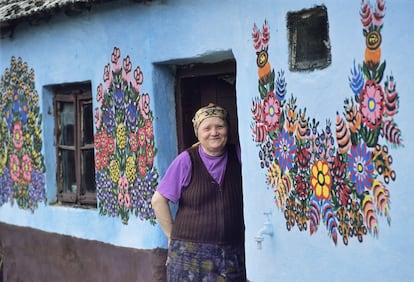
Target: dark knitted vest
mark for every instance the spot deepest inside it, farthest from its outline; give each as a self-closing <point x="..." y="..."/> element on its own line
<point x="209" y="212"/>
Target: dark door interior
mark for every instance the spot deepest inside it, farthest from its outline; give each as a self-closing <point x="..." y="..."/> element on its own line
<point x="197" y="86"/>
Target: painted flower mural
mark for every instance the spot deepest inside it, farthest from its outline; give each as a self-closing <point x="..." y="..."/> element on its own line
<point x="335" y="177"/>
<point x="124" y="143"/>
<point x="22" y="169"/>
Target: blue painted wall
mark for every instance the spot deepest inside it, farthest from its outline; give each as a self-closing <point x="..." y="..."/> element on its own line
<point x="153" y="35"/>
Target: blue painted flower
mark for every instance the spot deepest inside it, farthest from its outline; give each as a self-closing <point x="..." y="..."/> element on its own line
<point x="109" y="119"/>
<point x="24" y="112"/>
<point x="16" y="102"/>
<point x="9" y="118"/>
<point x="285" y="149"/>
<point x="36" y="189"/>
<point x="132" y="114"/>
<point x="360" y="167"/>
<point x="119" y="98"/>
<point x="6" y="187"/>
<point x="356" y="81"/>
<point x="281" y="85"/>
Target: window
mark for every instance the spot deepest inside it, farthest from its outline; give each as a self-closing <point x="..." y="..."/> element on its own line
<point x="74" y="144"/>
<point x="309" y="44"/>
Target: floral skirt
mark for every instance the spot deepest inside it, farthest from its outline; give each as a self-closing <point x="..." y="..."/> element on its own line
<point x="188" y="261"/>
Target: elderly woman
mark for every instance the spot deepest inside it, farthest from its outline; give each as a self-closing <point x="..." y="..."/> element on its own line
<point x="206" y="239"/>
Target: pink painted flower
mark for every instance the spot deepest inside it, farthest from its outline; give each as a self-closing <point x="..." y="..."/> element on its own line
<point x="265" y="34"/>
<point x="98" y="119"/>
<point x="372" y="104"/>
<point x="366" y="15"/>
<point x="100" y="93"/>
<point x="123" y="184"/>
<point x="26" y="168"/>
<point x="115" y="59"/>
<point x="272" y="112"/>
<point x="127" y="199"/>
<point x="107" y="76"/>
<point x="138" y="80"/>
<point x="17" y="135"/>
<point x="144" y="107"/>
<point x="379" y="13"/>
<point x="257" y="38"/>
<point x="120" y="199"/>
<point x="14" y="168"/>
<point x="126" y="70"/>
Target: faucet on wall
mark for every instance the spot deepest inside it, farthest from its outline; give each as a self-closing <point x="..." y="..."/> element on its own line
<point x="266" y="229"/>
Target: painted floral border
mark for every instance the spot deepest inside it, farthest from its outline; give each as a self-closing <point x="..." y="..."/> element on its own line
<point x="338" y="176"/>
<point x="22" y="169"/>
<point x="124" y="143"/>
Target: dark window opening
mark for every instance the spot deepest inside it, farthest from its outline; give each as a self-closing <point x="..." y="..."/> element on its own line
<point x="197" y="86"/>
<point x="75" y="144"/>
<point x="309" y="44"/>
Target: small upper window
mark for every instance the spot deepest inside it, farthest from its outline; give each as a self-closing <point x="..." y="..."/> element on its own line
<point x="74" y="144"/>
<point x="309" y="44"/>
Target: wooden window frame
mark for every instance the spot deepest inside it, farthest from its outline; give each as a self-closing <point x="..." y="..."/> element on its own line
<point x="80" y="95"/>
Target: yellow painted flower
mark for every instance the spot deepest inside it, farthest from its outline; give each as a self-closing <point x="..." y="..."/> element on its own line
<point x="130" y="169"/>
<point x="121" y="136"/>
<point x="321" y="180"/>
<point x="114" y="170"/>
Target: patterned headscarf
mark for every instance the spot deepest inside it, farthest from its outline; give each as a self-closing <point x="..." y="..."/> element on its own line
<point x="211" y="110"/>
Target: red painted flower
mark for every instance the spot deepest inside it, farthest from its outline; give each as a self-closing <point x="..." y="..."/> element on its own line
<point x="133" y="142"/>
<point x="302" y="187"/>
<point x="98" y="160"/>
<point x="149" y="129"/>
<point x="142" y="165"/>
<point x="110" y="145"/>
<point x="141" y="137"/>
<point x="303" y="159"/>
<point x="150" y="154"/>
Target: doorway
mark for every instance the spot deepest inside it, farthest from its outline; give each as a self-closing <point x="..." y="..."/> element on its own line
<point x="197" y="85"/>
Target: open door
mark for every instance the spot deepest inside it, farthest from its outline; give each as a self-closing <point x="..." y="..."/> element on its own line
<point x="198" y="85"/>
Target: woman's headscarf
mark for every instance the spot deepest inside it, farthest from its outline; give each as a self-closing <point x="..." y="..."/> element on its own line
<point x="211" y="110"/>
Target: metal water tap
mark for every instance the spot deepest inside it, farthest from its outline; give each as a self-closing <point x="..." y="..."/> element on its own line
<point x="266" y="229"/>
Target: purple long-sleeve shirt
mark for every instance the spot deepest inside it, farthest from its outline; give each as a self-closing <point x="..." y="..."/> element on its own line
<point x="178" y="174"/>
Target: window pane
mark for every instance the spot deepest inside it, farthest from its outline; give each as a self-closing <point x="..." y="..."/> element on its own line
<point x="67" y="171"/>
<point x="88" y="171"/>
<point x="66" y="123"/>
<point x="87" y="124"/>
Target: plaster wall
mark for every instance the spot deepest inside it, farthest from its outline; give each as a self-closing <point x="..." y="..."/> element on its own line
<point x="153" y="35"/>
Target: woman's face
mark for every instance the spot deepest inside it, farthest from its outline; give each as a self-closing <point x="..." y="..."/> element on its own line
<point x="212" y="134"/>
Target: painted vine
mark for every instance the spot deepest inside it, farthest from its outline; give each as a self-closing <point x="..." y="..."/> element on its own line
<point x="124" y="143"/>
<point x="22" y="169"/>
<point x="335" y="177"/>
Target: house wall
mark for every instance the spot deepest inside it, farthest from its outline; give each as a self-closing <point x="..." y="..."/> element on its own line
<point x="157" y="35"/>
